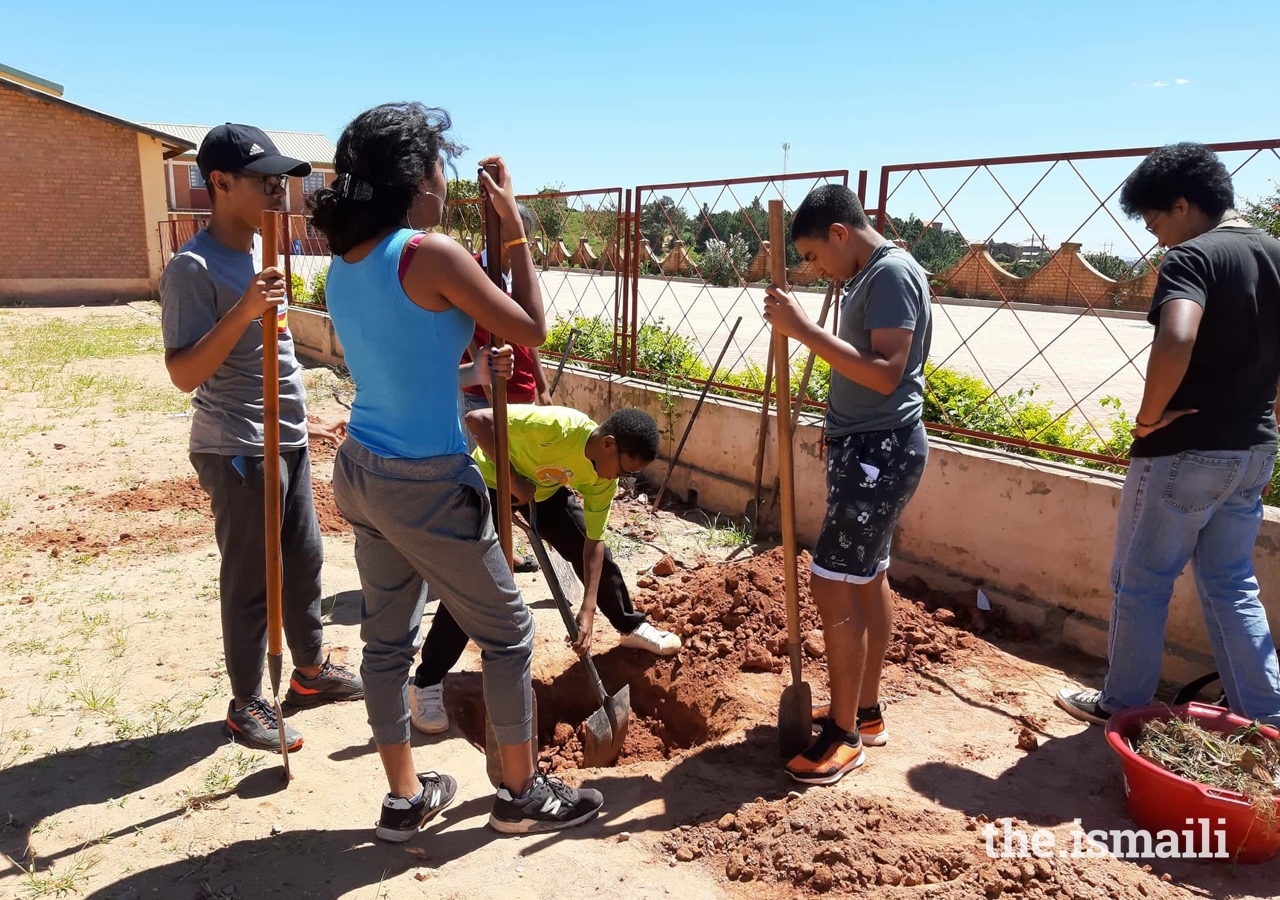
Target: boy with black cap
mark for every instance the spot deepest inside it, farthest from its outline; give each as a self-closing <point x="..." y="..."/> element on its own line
<point x="213" y="297"/>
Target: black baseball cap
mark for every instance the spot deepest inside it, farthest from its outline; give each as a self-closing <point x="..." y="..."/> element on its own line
<point x="236" y="148"/>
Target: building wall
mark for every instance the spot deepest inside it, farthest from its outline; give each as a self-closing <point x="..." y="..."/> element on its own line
<point x="73" y="209"/>
<point x="155" y="201"/>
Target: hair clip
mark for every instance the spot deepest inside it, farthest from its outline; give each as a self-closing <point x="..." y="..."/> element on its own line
<point x="349" y="188"/>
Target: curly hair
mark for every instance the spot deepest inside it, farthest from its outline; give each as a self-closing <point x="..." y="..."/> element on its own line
<point x="636" y="433"/>
<point x="1187" y="170"/>
<point x="391" y="149"/>
<point x="824" y="207"/>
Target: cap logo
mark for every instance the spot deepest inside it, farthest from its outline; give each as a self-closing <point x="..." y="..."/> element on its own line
<point x="256" y="149"/>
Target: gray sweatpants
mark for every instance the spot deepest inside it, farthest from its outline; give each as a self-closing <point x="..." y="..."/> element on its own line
<point x="423" y="525"/>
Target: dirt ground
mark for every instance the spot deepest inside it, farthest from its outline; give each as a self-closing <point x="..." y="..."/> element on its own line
<point x="115" y="781"/>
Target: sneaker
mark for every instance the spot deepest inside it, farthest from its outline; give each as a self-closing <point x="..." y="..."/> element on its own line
<point x="1083" y="705"/>
<point x="871" y="727"/>
<point x="548" y="805"/>
<point x="832" y="754"/>
<point x="402" y="817"/>
<point x="255" y="725"/>
<point x="426" y="709"/>
<point x="332" y="683"/>
<point x="655" y="640"/>
<point x="527" y="564"/>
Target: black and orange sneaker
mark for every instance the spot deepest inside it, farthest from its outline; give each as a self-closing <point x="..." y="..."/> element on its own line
<point x="871" y="727"/>
<point x="833" y="753"/>
<point x="331" y="684"/>
<point x="255" y="725"/>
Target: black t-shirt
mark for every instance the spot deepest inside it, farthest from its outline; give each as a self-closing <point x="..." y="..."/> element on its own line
<point x="1234" y="274"/>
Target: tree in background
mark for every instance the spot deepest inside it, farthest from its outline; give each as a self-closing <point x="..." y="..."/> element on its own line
<point x="662" y="223"/>
<point x="1110" y="265"/>
<point x="937" y="249"/>
<point x="550" y="214"/>
<point x="1265" y="213"/>
<point x="465" y="219"/>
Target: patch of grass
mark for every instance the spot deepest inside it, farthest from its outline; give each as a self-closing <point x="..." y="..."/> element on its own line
<point x="95" y="698"/>
<point x="28" y="647"/>
<point x="63" y="878"/>
<point x="163" y="716"/>
<point x="118" y="644"/>
<point x="90" y="623"/>
<point x="727" y="535"/>
<point x="42" y="707"/>
<point x="223" y="777"/>
<point x="620" y="545"/>
<point x="6" y="507"/>
<point x="55" y="342"/>
<point x="119" y="442"/>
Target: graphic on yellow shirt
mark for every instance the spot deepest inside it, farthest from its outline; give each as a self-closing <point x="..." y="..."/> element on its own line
<point x="554" y="475"/>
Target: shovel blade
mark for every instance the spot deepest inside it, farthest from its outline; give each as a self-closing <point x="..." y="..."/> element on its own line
<point x="795" y="719"/>
<point x="597" y="741"/>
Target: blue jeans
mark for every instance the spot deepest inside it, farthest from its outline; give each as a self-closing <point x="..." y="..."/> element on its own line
<point x="1204" y="508"/>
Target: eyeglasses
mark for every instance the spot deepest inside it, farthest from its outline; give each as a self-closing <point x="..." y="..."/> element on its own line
<point x="1150" y="228"/>
<point x="621" y="468"/>
<point x="271" y="184"/>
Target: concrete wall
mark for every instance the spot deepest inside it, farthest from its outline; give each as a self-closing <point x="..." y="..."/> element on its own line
<point x="1035" y="536"/>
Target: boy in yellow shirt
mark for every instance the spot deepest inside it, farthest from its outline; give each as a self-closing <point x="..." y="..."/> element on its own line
<point x="554" y="452"/>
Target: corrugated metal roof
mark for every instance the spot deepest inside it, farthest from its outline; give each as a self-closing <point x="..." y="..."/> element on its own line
<point x="314" y="148"/>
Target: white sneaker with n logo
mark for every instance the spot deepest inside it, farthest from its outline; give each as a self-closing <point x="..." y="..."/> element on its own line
<point x="548" y="805"/>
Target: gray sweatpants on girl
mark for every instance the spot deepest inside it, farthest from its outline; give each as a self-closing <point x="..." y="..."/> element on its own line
<point x="424" y="525"/>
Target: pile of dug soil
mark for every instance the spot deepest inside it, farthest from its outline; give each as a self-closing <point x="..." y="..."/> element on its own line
<point x="828" y="841"/>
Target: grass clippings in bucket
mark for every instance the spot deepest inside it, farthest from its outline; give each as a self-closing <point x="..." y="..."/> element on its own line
<point x="1244" y="761"/>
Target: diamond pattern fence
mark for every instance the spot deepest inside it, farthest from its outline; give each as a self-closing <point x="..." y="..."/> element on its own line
<point x="700" y="259"/>
<point x="1040" y="288"/>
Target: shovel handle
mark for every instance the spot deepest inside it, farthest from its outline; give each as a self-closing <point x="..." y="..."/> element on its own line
<point x="562" y="602"/>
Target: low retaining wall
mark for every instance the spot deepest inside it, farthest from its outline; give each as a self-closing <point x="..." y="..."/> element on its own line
<point x="1036" y="537"/>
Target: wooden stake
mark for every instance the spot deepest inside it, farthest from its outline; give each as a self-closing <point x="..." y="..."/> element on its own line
<point x="498" y="386"/>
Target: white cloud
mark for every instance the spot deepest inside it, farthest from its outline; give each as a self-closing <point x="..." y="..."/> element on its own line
<point x="1157" y="85"/>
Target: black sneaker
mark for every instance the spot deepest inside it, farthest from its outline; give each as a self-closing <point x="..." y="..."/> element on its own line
<point x="332" y="683"/>
<point x="255" y="725"/>
<point x="1083" y="705"/>
<point x="401" y="817"/>
<point x="548" y="805"/>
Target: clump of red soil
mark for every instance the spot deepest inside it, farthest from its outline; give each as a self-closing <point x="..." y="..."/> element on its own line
<point x="732" y="617"/>
<point x="829" y="841"/>
<point x="331" y="521"/>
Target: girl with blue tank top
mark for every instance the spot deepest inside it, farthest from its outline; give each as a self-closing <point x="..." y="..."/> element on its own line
<point x="404" y="306"/>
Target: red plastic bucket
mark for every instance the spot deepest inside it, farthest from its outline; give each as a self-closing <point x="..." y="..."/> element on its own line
<point x="1161" y="801"/>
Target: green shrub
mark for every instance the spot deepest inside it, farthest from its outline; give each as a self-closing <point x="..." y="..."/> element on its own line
<point x="317" y="287"/>
<point x="298" y="289"/>
<point x="724" y="262"/>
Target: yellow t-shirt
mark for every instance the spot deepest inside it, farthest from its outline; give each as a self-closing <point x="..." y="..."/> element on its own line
<point x="547" y="445"/>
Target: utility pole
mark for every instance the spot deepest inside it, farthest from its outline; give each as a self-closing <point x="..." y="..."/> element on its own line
<point x="786" y="158"/>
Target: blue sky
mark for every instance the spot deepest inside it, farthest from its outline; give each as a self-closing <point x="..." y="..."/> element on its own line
<point x="605" y="93"/>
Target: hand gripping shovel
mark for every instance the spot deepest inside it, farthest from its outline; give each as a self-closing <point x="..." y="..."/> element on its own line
<point x="795" y="711"/>
<point x="606" y="728"/>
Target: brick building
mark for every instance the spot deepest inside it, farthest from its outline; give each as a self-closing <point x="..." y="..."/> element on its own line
<point x="83" y="193"/>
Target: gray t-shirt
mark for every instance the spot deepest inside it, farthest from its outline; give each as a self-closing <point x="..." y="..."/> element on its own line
<point x="892" y="291"/>
<point x="199" y="286"/>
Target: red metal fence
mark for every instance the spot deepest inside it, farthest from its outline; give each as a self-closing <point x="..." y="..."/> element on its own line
<point x="1039" y="283"/>
<point x="1040" y="290"/>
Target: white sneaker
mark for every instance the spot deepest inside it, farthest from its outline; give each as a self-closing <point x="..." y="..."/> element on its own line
<point x="655" y="640"/>
<point x="426" y="709"/>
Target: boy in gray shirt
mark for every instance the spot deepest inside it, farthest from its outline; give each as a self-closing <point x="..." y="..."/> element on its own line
<point x="212" y="300"/>
<point x="876" y="451"/>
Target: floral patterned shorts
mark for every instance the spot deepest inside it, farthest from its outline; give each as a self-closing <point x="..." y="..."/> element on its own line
<point x="870" y="478"/>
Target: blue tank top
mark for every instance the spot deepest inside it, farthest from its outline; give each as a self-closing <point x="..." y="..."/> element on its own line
<point x="403" y="358"/>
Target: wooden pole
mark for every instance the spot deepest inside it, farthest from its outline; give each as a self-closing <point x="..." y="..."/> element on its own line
<point x="498" y="386"/>
<point x="271" y="478"/>
<point x="795" y="708"/>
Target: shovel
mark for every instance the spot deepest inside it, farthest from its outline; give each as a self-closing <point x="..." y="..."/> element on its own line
<point x="795" y="711"/>
<point x="605" y="730"/>
<point x="271" y="482"/>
